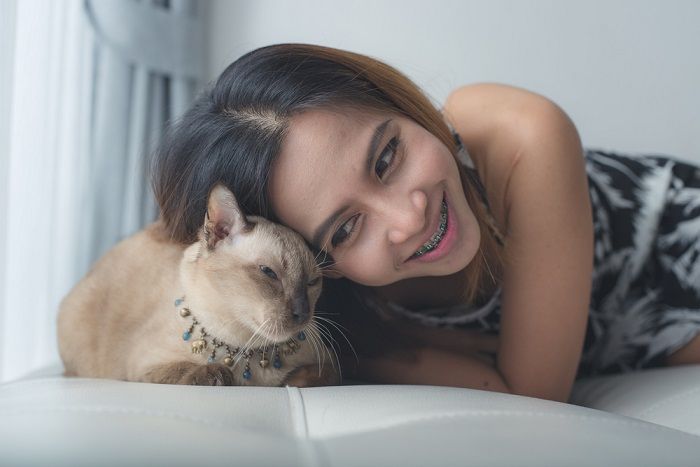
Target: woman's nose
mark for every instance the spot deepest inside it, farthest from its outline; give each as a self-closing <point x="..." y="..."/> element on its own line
<point x="407" y="219"/>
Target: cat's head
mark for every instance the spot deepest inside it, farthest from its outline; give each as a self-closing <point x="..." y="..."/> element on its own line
<point x="248" y="275"/>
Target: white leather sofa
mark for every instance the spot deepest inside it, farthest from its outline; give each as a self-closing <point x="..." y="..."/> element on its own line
<point x="650" y="418"/>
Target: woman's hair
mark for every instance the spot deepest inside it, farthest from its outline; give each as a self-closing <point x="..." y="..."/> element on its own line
<point x="235" y="129"/>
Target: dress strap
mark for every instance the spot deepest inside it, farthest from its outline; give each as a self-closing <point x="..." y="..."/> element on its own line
<point x="462" y="153"/>
<point x="469" y="165"/>
<point x="466" y="160"/>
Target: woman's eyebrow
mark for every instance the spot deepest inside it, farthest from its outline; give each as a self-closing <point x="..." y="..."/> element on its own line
<point x="371" y="150"/>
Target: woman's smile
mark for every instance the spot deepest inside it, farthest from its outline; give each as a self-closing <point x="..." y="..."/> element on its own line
<point x="442" y="241"/>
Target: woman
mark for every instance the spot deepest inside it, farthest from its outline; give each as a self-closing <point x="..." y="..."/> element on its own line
<point x="477" y="246"/>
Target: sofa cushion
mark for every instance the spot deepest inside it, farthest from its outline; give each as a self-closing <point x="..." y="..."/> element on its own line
<point x="52" y="420"/>
<point x="669" y="396"/>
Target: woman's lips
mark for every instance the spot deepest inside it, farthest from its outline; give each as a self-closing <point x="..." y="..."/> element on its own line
<point x="436" y="225"/>
<point x="448" y="241"/>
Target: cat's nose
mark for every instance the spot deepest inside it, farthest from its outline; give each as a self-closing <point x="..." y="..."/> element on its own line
<point x="301" y="311"/>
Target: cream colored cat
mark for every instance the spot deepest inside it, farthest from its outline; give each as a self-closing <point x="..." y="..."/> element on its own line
<point x="234" y="308"/>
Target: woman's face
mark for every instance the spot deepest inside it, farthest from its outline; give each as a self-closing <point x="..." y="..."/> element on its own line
<point x="368" y="189"/>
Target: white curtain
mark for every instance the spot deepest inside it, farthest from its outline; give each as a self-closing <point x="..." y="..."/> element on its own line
<point x="7" y="42"/>
<point x="90" y="85"/>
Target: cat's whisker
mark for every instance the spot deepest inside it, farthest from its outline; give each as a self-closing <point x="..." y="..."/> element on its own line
<point x="318" y="254"/>
<point x="257" y="334"/>
<point x="337" y="326"/>
<point x="320" y="332"/>
<point x="326" y="313"/>
<point x="331" y="269"/>
<point x="260" y="336"/>
<point x="327" y="334"/>
<point x="267" y="342"/>
<point x="323" y="250"/>
<point x="335" y="323"/>
<point x="330" y="265"/>
<point x="272" y="343"/>
<point x="324" y="348"/>
<point x="325" y="271"/>
<point x="321" y="358"/>
<point x="245" y="347"/>
<point x="309" y="331"/>
<point x="331" y="342"/>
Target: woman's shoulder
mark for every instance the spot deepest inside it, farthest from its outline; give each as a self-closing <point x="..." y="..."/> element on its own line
<point x="493" y="120"/>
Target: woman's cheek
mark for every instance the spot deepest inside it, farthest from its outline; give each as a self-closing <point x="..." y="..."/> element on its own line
<point x="367" y="272"/>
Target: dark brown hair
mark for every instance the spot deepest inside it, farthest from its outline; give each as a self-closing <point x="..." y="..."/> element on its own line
<point x="234" y="131"/>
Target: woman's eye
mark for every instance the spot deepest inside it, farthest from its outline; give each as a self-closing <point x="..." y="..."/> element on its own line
<point x="384" y="162"/>
<point x="343" y="233"/>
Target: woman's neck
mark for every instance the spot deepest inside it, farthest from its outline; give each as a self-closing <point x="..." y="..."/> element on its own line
<point x="425" y="292"/>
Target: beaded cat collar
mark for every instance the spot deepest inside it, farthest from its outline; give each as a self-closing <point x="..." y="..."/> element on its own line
<point x="206" y="343"/>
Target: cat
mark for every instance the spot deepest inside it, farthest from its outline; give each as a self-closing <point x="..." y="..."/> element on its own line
<point x="236" y="307"/>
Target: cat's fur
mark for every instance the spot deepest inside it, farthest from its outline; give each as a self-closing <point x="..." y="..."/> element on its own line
<point x="120" y="321"/>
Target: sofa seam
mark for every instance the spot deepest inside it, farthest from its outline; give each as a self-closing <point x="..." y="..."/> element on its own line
<point x="297" y="412"/>
<point x="300" y="423"/>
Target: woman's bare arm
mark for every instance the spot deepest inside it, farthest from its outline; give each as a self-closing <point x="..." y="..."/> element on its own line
<point x="549" y="249"/>
<point x="454" y="340"/>
<point x="429" y="366"/>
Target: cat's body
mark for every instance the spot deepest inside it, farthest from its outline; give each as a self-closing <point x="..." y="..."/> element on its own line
<point x="121" y="321"/>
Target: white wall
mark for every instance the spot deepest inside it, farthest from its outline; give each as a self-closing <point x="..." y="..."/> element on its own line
<point x="627" y="72"/>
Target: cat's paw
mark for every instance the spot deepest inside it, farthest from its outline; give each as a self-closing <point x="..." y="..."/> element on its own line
<point x="213" y="374"/>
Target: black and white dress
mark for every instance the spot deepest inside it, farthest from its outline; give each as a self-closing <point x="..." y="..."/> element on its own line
<point x="645" y="299"/>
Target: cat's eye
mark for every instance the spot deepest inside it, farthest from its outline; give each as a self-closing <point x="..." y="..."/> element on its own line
<point x="314" y="281"/>
<point x="268" y="272"/>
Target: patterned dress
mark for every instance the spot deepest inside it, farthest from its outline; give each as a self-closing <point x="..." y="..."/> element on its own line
<point x="645" y="299"/>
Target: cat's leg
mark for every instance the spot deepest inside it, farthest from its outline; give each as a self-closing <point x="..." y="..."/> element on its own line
<point x="313" y="375"/>
<point x="213" y="374"/>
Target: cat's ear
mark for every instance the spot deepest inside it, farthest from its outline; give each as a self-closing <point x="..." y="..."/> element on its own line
<point x="224" y="217"/>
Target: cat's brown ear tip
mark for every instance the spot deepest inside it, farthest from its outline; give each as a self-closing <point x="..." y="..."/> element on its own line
<point x="220" y="194"/>
<point x="222" y="216"/>
<point x="222" y="207"/>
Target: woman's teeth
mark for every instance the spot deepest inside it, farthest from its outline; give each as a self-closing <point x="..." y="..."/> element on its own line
<point x="437" y="236"/>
